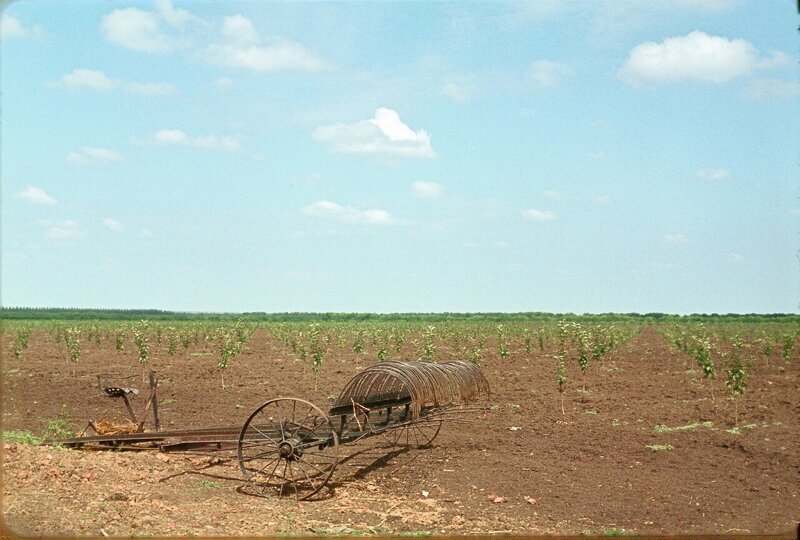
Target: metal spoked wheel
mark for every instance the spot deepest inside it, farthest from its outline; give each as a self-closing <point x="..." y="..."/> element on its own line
<point x="418" y="434"/>
<point x="288" y="447"/>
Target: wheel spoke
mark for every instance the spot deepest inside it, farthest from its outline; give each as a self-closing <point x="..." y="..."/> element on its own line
<point x="275" y="468"/>
<point x="300" y="425"/>
<point x="266" y="437"/>
<point x="283" y="476"/>
<point x="269" y="419"/>
<point x="259" y="455"/>
<point x="312" y="465"/>
<point x="291" y="475"/>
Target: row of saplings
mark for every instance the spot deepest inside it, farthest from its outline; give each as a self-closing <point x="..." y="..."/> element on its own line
<point x="229" y="339"/>
<point x="701" y="346"/>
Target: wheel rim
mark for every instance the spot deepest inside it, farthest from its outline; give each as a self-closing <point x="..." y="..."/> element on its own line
<point x="288" y="447"/>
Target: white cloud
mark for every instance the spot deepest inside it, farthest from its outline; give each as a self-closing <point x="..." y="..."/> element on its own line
<point x="427" y="190"/>
<point x="552" y="195"/>
<point x="501" y="244"/>
<point x="241" y="48"/>
<point x="35" y="195"/>
<point x="698" y="6"/>
<point x="457" y="92"/>
<point x="112" y="224"/>
<point x="534" y="214"/>
<point x="176" y="137"/>
<point x="528" y="112"/>
<point x="66" y="230"/>
<point x="88" y="78"/>
<point x="674" y="238"/>
<point x="223" y="82"/>
<point x="696" y="56"/>
<point x="713" y="175"/>
<point x="603" y="200"/>
<point x="597" y="155"/>
<point x="89" y="155"/>
<point x="97" y="80"/>
<point x="734" y="258"/>
<point x="763" y="89"/>
<point x="150" y="89"/>
<point x="385" y="134"/>
<point x="147" y="31"/>
<point x="12" y="28"/>
<point x="347" y="214"/>
<point x="146" y="233"/>
<point x="173" y="16"/>
<point x="546" y="73"/>
<point x="239" y="29"/>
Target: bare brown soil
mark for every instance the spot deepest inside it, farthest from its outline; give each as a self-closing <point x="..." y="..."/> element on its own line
<point x="602" y="466"/>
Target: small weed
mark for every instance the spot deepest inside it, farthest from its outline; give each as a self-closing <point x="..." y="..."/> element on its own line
<point x="660" y="447"/>
<point x="60" y="428"/>
<point x="590" y="411"/>
<point x="738" y="430"/>
<point x="495" y="407"/>
<point x="209" y="484"/>
<point x="514" y="406"/>
<point x="661" y="428"/>
<point x="21" y="437"/>
<point x="613" y="532"/>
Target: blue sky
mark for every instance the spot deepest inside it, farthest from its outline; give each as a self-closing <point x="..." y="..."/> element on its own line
<point x="387" y="157"/>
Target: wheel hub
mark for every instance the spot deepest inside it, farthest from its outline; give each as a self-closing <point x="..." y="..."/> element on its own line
<point x="288" y="451"/>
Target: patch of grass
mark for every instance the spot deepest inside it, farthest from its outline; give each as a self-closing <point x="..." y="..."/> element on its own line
<point x="661" y="428"/>
<point x="606" y="532"/>
<point x="614" y="532"/>
<point x="738" y="430"/>
<point x="21" y="437"/>
<point x="209" y="484"/>
<point x="660" y="447"/>
<point x="166" y="402"/>
<point x="60" y="428"/>
<point x="57" y="429"/>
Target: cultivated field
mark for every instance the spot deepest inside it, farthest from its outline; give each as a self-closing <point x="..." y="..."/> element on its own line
<point x="591" y="428"/>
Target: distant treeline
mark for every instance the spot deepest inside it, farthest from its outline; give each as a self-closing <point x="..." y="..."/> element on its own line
<point x="24" y="313"/>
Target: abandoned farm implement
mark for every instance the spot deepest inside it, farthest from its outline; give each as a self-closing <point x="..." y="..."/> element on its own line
<point x="289" y="446"/>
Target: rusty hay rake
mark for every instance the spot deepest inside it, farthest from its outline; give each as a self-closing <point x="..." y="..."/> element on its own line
<point x="289" y="446"/>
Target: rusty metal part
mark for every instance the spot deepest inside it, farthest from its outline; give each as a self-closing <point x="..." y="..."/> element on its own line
<point x="419" y="384"/>
<point x="207" y="436"/>
<point x="290" y="446"/>
<point x="293" y="449"/>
